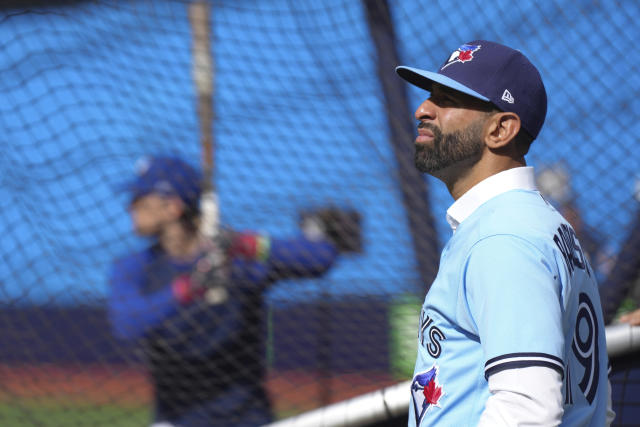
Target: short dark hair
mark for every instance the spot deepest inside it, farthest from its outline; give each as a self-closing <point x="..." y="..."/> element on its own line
<point x="523" y="142"/>
<point x="190" y="218"/>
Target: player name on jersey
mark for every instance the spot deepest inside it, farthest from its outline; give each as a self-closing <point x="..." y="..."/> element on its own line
<point x="567" y="242"/>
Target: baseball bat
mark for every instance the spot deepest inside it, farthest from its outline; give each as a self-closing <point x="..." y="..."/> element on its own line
<point x="203" y="77"/>
<point x="203" y="72"/>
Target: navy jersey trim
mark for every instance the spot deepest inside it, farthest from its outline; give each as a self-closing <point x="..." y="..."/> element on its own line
<point x="523" y="360"/>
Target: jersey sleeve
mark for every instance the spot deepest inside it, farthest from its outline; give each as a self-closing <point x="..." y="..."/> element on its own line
<point x="513" y="295"/>
<point x="300" y="257"/>
<point x="132" y="312"/>
<point x="288" y="258"/>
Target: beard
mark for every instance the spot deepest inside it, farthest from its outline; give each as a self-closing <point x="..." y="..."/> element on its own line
<point x="463" y="147"/>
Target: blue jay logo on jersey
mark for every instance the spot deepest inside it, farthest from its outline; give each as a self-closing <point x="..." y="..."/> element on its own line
<point x="425" y="392"/>
<point x="463" y="54"/>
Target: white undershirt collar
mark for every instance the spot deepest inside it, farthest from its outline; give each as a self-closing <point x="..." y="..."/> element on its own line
<point x="521" y="178"/>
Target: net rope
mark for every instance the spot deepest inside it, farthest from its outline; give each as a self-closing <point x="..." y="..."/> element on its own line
<point x="301" y="122"/>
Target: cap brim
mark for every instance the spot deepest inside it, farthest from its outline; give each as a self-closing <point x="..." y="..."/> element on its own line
<point x="424" y="79"/>
<point x="131" y="188"/>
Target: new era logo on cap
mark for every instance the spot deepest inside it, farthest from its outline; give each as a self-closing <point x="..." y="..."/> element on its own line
<point x="507" y="97"/>
<point x="494" y="73"/>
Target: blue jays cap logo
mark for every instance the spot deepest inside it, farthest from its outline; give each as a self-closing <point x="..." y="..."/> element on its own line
<point x="463" y="54"/>
<point x="425" y="392"/>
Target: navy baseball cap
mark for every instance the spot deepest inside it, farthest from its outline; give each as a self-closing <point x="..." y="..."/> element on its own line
<point x="169" y="176"/>
<point x="491" y="72"/>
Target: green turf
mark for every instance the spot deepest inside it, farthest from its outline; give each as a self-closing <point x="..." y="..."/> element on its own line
<point x="32" y="413"/>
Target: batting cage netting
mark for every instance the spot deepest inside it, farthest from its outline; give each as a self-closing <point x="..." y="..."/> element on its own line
<point x="310" y="134"/>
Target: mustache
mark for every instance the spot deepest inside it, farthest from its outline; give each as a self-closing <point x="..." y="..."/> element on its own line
<point x="430" y="126"/>
<point x="433" y="128"/>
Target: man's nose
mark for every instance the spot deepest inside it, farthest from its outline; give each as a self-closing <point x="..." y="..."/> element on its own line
<point x="425" y="111"/>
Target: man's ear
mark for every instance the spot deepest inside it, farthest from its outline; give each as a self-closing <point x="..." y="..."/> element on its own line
<point x="501" y="129"/>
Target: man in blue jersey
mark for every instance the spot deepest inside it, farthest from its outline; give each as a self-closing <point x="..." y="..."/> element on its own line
<point x="511" y="330"/>
<point x="200" y="327"/>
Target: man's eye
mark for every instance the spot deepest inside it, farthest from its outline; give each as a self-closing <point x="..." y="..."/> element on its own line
<point x="444" y="100"/>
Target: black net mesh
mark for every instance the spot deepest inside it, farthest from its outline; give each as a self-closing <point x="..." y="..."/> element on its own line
<point x="308" y="115"/>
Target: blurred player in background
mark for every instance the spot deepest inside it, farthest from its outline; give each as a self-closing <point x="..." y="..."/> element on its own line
<point x="511" y="330"/>
<point x="199" y="324"/>
<point x="624" y="277"/>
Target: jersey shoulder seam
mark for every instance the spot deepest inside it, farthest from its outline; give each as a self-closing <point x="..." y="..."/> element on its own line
<point x="515" y="236"/>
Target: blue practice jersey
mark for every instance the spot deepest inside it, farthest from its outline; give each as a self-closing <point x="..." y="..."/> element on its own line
<point x="206" y="360"/>
<point x="514" y="290"/>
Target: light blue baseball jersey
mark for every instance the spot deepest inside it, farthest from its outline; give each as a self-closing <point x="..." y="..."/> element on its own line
<point x="514" y="289"/>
